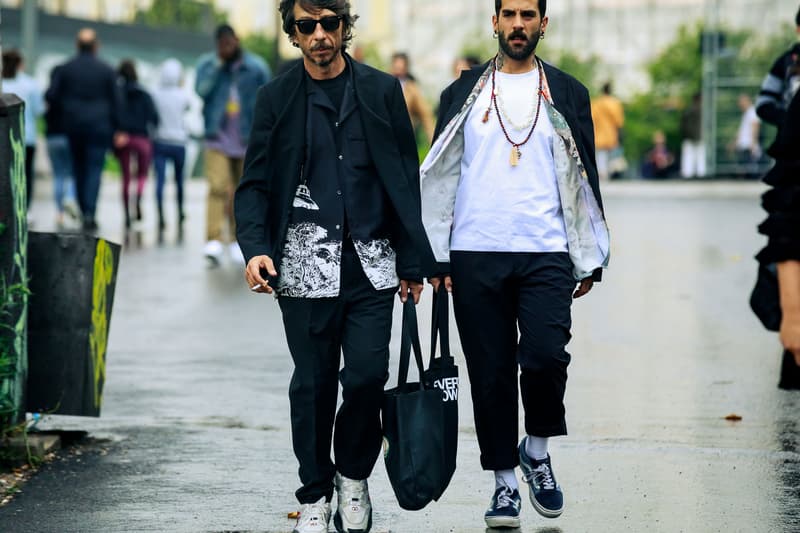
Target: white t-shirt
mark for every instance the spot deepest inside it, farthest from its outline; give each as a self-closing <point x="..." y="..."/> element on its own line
<point x="744" y="138"/>
<point x="501" y="208"/>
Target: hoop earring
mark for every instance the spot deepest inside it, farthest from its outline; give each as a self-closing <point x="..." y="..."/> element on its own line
<point x="295" y="44"/>
<point x="541" y="36"/>
<point x="494" y="35"/>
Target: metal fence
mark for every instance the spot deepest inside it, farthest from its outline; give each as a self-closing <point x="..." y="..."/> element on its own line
<point x="724" y="84"/>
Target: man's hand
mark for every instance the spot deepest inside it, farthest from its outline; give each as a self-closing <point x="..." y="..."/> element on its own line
<point x="584" y="287"/>
<point x="252" y="274"/>
<point x="410" y="287"/>
<point x="448" y="283"/>
<point x="790" y="334"/>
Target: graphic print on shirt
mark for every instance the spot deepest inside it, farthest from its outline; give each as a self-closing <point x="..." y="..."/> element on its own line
<point x="379" y="261"/>
<point x="303" y="200"/>
<point x="311" y="266"/>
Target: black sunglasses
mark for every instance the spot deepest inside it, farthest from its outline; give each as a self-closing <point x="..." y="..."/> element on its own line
<point x="308" y="26"/>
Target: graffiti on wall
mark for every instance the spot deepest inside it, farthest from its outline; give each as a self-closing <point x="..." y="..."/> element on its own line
<point x="98" y="338"/>
<point x="15" y="293"/>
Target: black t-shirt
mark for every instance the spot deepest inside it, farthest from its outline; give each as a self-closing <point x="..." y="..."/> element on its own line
<point x="335" y="87"/>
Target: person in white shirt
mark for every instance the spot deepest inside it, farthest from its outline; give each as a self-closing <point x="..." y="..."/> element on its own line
<point x="512" y="209"/>
<point x="748" y="146"/>
<point x="16" y="81"/>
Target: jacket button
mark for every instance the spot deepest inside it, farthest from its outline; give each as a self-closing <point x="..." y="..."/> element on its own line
<point x="336" y="124"/>
<point x="338" y="226"/>
<point x="341" y="157"/>
<point x="339" y="193"/>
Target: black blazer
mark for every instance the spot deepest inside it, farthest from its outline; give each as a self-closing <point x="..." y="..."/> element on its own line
<point x="571" y="99"/>
<point x="276" y="152"/>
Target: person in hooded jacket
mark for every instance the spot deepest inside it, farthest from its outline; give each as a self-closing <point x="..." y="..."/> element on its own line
<point x="169" y="141"/>
<point x="138" y="117"/>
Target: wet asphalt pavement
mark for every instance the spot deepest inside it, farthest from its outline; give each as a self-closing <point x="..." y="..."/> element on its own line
<point x="195" y="437"/>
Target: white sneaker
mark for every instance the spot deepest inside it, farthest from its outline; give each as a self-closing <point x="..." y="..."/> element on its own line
<point x="213" y="251"/>
<point x="354" y="512"/>
<point x="236" y="254"/>
<point x="314" y="517"/>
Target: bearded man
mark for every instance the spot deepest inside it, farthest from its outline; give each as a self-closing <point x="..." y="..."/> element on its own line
<point x="512" y="208"/>
<point x="328" y="218"/>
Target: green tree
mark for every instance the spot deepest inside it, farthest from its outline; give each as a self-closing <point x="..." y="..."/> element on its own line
<point x="677" y="73"/>
<point x="191" y="15"/>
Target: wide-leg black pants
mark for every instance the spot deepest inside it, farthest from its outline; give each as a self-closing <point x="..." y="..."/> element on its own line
<point x="494" y="293"/>
<point x="357" y="325"/>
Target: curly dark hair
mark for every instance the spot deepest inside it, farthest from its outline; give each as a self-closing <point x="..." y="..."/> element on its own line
<point x="542" y="7"/>
<point x="340" y="7"/>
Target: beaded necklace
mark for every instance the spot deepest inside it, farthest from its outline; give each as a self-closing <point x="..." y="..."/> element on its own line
<point x="516" y="153"/>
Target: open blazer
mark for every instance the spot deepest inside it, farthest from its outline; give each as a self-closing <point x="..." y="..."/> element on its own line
<point x="276" y="153"/>
<point x="566" y="101"/>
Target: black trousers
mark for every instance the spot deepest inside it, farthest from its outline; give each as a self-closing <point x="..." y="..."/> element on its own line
<point x="357" y="325"/>
<point x="495" y="293"/>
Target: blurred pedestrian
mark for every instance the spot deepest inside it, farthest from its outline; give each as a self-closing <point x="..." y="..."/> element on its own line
<point x="780" y="85"/>
<point x="85" y="90"/>
<point x="60" y="161"/>
<point x="172" y="101"/>
<point x="693" y="149"/>
<point x="16" y="81"/>
<point x="227" y="81"/>
<point x="659" y="161"/>
<point x="747" y="143"/>
<point x="463" y="63"/>
<point x="328" y="218"/>
<point x="608" y="117"/>
<point x="418" y="108"/>
<point x="782" y="203"/>
<point x="511" y="204"/>
<point x="132" y="143"/>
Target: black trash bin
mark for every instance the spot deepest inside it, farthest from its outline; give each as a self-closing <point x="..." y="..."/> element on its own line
<point x="72" y="281"/>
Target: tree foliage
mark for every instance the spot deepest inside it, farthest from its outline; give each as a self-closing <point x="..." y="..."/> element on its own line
<point x="191" y="15"/>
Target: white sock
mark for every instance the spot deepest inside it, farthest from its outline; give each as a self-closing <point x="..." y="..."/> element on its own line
<point x="505" y="478"/>
<point x="536" y="447"/>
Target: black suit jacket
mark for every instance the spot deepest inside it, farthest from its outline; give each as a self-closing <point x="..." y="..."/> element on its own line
<point x="276" y="152"/>
<point x="570" y="97"/>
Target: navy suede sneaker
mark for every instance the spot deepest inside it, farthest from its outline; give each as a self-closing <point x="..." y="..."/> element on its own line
<point x="504" y="509"/>
<point x="546" y="495"/>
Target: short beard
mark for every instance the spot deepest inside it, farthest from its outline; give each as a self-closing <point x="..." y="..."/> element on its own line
<point x="526" y="52"/>
<point x="325" y="63"/>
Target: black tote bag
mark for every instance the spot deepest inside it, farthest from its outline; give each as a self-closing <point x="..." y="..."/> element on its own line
<point x="413" y="427"/>
<point x="442" y="374"/>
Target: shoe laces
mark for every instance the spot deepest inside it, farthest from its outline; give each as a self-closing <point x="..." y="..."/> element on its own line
<point x="504" y="499"/>
<point x="542" y="476"/>
<point x="353" y="490"/>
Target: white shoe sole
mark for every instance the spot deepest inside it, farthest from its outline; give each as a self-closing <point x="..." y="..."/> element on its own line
<point x="502" y="521"/>
<point x="337" y="523"/>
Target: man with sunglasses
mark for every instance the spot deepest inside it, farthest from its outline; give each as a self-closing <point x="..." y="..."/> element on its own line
<point x="512" y="207"/>
<point x="328" y="218"/>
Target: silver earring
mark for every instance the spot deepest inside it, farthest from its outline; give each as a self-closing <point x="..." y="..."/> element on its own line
<point x="541" y="36"/>
<point x="494" y="35"/>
